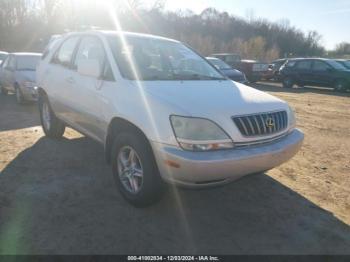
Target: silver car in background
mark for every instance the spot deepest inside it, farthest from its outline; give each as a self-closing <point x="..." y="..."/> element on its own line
<point x="17" y="74"/>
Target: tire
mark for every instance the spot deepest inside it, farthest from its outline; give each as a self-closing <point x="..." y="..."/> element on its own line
<point x="288" y="82"/>
<point x="145" y="174"/>
<point x="340" y="85"/>
<point x="52" y="126"/>
<point x="3" y="91"/>
<point x="19" y="96"/>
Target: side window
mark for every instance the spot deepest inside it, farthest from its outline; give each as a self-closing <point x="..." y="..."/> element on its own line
<point x="92" y="48"/>
<point x="320" y="66"/>
<point x="6" y="62"/>
<point x="12" y="63"/>
<point x="304" y="65"/>
<point x="65" y="53"/>
<point x="290" y="63"/>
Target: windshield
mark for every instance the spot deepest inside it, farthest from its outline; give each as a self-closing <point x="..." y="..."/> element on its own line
<point x="148" y="59"/>
<point x="336" y="65"/>
<point x="345" y="63"/>
<point x="27" y="62"/>
<point x="3" y="57"/>
<point x="219" y="64"/>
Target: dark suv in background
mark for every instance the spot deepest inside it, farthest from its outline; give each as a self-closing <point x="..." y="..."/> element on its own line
<point x="315" y="72"/>
<point x="345" y="63"/>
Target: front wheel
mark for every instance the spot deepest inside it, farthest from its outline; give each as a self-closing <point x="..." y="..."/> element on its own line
<point x="288" y="82"/>
<point x="52" y="126"/>
<point x="135" y="170"/>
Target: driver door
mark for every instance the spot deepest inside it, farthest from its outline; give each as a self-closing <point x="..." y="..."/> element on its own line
<point x="88" y="107"/>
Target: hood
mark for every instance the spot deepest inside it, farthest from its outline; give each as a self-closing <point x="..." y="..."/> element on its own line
<point x="25" y="75"/>
<point x="213" y="99"/>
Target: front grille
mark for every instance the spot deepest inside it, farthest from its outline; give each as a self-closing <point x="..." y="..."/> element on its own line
<point x="261" y="124"/>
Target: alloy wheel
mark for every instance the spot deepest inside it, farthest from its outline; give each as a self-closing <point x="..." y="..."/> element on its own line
<point x="130" y="169"/>
<point x="46" y="116"/>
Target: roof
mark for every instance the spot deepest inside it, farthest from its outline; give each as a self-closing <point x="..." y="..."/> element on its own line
<point x="212" y="58"/>
<point x="124" y="33"/>
<point x="280" y="60"/>
<point x="26" y="54"/>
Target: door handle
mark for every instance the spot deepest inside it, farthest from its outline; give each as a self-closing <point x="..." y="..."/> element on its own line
<point x="70" y="80"/>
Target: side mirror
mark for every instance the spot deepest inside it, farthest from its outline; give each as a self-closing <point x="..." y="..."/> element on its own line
<point x="89" y="67"/>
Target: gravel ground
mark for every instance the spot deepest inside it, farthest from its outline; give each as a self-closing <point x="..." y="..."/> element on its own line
<point x="58" y="197"/>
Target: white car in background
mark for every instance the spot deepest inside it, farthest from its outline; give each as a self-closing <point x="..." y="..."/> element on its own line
<point x="18" y="73"/>
<point x="157" y="120"/>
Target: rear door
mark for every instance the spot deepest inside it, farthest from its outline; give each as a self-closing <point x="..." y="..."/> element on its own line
<point x="62" y="82"/>
<point x="322" y="73"/>
<point x="303" y="72"/>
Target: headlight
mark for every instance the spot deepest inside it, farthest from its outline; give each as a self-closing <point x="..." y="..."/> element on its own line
<point x="198" y="134"/>
<point x="291" y="119"/>
<point x="29" y="84"/>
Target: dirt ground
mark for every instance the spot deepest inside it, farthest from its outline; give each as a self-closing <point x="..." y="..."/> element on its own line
<point x="58" y="197"/>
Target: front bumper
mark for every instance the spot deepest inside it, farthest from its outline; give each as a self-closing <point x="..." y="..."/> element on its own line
<point x="202" y="169"/>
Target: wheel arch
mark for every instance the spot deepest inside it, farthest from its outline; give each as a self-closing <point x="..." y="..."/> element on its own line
<point x="41" y="92"/>
<point x="116" y="126"/>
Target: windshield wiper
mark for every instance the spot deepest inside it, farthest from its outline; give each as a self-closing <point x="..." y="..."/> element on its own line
<point x="26" y="69"/>
<point x="196" y="77"/>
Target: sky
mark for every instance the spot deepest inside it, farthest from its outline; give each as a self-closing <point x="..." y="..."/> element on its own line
<point x="330" y="18"/>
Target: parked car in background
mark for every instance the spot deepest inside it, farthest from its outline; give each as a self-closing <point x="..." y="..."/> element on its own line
<point x="345" y="63"/>
<point x="254" y="70"/>
<point x="227" y="70"/>
<point x="18" y="74"/>
<point x="275" y="67"/>
<point x="315" y="72"/>
<point x="3" y="56"/>
<point x="159" y="117"/>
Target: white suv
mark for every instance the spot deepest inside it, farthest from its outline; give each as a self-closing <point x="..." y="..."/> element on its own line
<point x="162" y="112"/>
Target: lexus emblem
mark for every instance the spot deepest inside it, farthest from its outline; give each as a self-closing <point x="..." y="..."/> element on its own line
<point x="270" y="123"/>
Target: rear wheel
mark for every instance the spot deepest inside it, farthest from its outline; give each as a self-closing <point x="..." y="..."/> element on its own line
<point x="135" y="170"/>
<point x="52" y="126"/>
<point x="288" y="82"/>
<point x="3" y="91"/>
